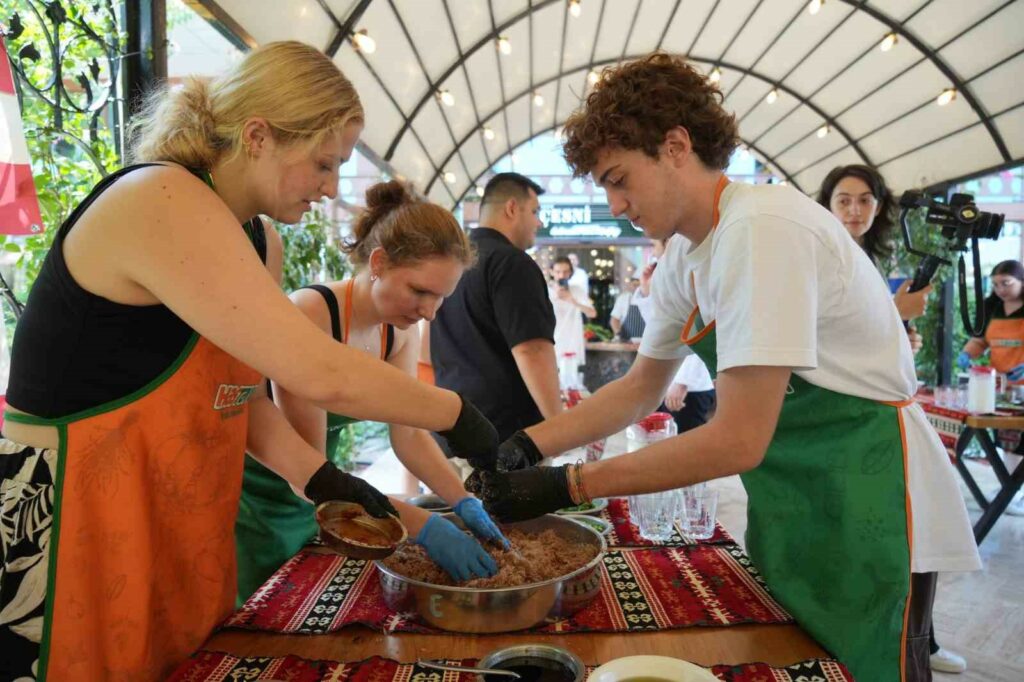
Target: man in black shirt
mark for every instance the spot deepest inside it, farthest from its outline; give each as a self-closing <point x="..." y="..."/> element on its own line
<point x="493" y="339"/>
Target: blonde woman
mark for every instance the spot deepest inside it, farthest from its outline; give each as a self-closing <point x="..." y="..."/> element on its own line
<point x="136" y="372"/>
<point x="410" y="256"/>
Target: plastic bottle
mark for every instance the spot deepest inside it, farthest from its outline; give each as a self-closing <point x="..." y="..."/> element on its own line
<point x="981" y="390"/>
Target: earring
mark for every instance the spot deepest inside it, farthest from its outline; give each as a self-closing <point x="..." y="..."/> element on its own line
<point x="373" y="277"/>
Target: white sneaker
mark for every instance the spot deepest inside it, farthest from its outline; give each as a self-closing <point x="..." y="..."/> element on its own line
<point x="945" y="661"/>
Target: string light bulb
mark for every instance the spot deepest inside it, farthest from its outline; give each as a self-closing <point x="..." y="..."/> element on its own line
<point x="593" y="76"/>
<point x="479" y="191"/>
<point x="716" y="75"/>
<point x="888" y="42"/>
<point x="538" y="99"/>
<point x="772" y="96"/>
<point x="946" y="96"/>
<point x="446" y="97"/>
<point x="449" y="177"/>
<point x="363" y="42"/>
<point x="504" y="46"/>
<point x="575" y="8"/>
<point x="814" y="6"/>
<point x="823" y="130"/>
<point x="488" y="133"/>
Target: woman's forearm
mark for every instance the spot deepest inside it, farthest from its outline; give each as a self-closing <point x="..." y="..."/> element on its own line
<point x="419" y="453"/>
<point x="279" y="447"/>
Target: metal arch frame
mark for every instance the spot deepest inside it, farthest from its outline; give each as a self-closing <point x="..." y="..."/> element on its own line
<point x="496" y="31"/>
<point x="561" y="62"/>
<point x="476" y="179"/>
<point x="726" y="65"/>
<point x="501" y="71"/>
<point x="433" y="86"/>
<point x="344" y="30"/>
<point x="789" y="24"/>
<point x="933" y="56"/>
<point x="465" y="74"/>
<point x="593" y="50"/>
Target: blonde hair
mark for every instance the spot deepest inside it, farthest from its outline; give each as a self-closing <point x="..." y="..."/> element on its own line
<point x="296" y="88"/>
<point x="409" y="230"/>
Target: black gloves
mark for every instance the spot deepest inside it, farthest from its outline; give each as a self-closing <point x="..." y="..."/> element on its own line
<point x="473" y="437"/>
<point x="518" y="452"/>
<point x="525" y="494"/>
<point x="330" y="483"/>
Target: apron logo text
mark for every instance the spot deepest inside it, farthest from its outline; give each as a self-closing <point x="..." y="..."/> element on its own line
<point x="229" y="395"/>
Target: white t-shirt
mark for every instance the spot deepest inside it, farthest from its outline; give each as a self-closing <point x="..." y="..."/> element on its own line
<point x="621" y="307"/>
<point x="569" y="322"/>
<point x="786" y="286"/>
<point x="581" y="279"/>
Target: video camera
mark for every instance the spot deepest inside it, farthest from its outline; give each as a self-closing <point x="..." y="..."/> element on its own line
<point x="961" y="222"/>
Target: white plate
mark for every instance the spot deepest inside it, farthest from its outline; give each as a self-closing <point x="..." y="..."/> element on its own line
<point x="656" y="667"/>
<point x="599" y="505"/>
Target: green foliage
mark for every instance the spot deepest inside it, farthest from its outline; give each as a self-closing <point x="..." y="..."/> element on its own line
<point x="311" y="251"/>
<point x="601" y="332"/>
<point x="71" y="131"/>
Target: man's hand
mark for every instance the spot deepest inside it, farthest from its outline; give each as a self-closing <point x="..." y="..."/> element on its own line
<point x="518" y="452"/>
<point x="525" y="494"/>
<point x="645" y="278"/>
<point x="565" y="295"/>
<point x="675" y="398"/>
<point x="916" y="340"/>
<point x="473" y="437"/>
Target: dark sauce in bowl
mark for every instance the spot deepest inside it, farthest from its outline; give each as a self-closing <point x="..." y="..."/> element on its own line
<point x="532" y="669"/>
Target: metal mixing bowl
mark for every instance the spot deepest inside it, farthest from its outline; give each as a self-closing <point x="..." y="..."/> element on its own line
<point x="502" y="609"/>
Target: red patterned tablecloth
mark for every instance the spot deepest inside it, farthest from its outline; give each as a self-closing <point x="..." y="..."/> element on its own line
<point x="214" y="666"/>
<point x="625" y="534"/>
<point x="949" y="423"/>
<point x="641" y="589"/>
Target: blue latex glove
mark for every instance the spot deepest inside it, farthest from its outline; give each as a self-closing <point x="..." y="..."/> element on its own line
<point x="963" y="361"/>
<point x="1016" y="374"/>
<point x="459" y="555"/>
<point x="471" y="511"/>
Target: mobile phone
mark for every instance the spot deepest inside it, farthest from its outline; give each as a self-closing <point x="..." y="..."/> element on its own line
<point x="564" y="282"/>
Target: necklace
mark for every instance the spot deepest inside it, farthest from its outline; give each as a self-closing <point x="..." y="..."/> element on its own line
<point x="349" y="289"/>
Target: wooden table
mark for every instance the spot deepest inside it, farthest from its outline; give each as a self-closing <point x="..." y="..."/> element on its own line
<point x="773" y="644"/>
<point x="979" y="427"/>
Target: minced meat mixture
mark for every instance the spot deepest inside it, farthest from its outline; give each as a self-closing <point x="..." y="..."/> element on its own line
<point x="541" y="556"/>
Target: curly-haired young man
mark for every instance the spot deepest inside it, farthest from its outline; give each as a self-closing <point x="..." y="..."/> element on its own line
<point x="815" y="378"/>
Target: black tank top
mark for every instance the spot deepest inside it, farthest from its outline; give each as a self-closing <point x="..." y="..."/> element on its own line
<point x="74" y="350"/>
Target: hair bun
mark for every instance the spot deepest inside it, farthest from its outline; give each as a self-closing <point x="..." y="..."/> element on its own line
<point x="385" y="196"/>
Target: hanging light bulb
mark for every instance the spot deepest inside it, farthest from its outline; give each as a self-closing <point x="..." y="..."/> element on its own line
<point x="823" y="130"/>
<point x="574" y="7"/>
<point x="946" y="96"/>
<point x="772" y="96"/>
<point x="449" y="177"/>
<point x="715" y="75"/>
<point x="488" y="133"/>
<point x="593" y="76"/>
<point x="363" y="42"/>
<point x="504" y="46"/>
<point x="446" y="97"/>
<point x="538" y="99"/>
<point x="888" y="42"/>
<point x="814" y="6"/>
<point x="479" y="191"/>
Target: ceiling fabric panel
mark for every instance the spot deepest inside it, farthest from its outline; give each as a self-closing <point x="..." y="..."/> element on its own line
<point x="428" y="25"/>
<point x="611" y="41"/>
<point x="1012" y="126"/>
<point x="301" y="20"/>
<point x="827" y="69"/>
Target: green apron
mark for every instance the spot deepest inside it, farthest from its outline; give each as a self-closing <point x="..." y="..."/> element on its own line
<point x="828" y="520"/>
<point x="273" y="522"/>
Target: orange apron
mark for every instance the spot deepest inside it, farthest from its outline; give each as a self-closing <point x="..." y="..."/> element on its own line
<point x="141" y="556"/>
<point x="1005" y="339"/>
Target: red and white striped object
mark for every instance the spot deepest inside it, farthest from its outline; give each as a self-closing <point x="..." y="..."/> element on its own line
<point x="19" y="206"/>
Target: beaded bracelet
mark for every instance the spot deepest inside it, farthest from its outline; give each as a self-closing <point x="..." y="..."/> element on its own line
<point x="580" y="488"/>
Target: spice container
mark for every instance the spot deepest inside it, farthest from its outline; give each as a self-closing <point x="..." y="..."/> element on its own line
<point x="650" y="429"/>
<point x="981" y="390"/>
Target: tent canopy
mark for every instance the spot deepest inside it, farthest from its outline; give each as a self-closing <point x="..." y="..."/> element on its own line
<point x="838" y="96"/>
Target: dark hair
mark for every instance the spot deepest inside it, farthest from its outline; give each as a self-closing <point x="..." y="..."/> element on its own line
<point x="1013" y="268"/>
<point x="408" y="229"/>
<point x="633" y="106"/>
<point x="565" y="260"/>
<point x="505" y="186"/>
<point x="878" y="241"/>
